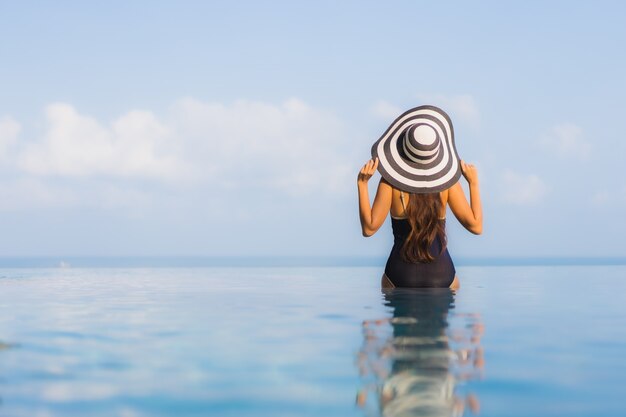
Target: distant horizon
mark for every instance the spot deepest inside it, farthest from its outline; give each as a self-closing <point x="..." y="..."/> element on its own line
<point x="279" y="261"/>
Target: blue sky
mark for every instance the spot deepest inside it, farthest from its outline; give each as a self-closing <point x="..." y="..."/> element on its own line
<point x="237" y="128"/>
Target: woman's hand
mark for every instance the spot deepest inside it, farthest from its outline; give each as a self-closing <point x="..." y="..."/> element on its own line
<point x="367" y="171"/>
<point x="470" y="173"/>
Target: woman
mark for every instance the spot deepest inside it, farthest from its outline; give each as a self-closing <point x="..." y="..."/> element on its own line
<point x="420" y="171"/>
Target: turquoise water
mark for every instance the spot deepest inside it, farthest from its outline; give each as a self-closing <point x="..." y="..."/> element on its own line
<point x="321" y="341"/>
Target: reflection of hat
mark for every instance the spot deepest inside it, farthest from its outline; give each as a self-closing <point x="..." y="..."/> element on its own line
<point x="417" y="152"/>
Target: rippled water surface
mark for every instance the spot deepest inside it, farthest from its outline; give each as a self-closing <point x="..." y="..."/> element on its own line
<point x="513" y="341"/>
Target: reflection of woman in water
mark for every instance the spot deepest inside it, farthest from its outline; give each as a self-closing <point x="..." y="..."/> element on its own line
<point x="416" y="370"/>
<point x="420" y="171"/>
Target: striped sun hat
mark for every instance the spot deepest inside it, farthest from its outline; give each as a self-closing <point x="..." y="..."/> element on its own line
<point x="417" y="154"/>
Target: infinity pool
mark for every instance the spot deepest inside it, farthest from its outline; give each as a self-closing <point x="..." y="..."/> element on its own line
<point x="513" y="341"/>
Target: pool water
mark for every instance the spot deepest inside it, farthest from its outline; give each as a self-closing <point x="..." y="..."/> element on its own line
<point x="513" y="341"/>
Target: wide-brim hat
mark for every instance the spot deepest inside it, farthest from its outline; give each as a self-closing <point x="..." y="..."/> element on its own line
<point x="417" y="153"/>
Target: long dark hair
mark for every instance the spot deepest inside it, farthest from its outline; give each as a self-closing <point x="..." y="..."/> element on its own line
<point x="422" y="212"/>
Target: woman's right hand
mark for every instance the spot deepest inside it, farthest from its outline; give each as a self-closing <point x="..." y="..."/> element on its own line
<point x="367" y="171"/>
<point x="469" y="172"/>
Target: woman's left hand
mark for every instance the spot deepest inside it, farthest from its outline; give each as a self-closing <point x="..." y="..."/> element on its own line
<point x="470" y="173"/>
<point x="367" y="171"/>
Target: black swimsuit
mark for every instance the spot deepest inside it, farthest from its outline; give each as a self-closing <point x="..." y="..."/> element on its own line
<point x="436" y="274"/>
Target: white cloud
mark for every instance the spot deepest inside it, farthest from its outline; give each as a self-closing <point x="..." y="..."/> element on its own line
<point x="523" y="189"/>
<point x="38" y="192"/>
<point x="604" y="198"/>
<point x="9" y="129"/>
<point x="386" y="110"/>
<point x="462" y="106"/>
<point x="33" y="192"/>
<point x="566" y="140"/>
<point x="601" y="198"/>
<point x="79" y="160"/>
<point x="248" y="143"/>
<point x="74" y="145"/>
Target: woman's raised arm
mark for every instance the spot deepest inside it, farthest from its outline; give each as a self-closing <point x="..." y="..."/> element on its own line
<point x="470" y="215"/>
<point x="372" y="217"/>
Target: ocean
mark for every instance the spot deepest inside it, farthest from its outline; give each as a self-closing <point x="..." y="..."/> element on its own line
<point x="173" y="340"/>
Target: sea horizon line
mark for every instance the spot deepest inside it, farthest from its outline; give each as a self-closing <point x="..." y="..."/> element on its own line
<point x="170" y="261"/>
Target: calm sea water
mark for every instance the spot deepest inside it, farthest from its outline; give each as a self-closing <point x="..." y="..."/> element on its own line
<point x="513" y="341"/>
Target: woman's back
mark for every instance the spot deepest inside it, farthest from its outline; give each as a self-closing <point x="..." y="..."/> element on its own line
<point x="439" y="272"/>
<point x="400" y="200"/>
